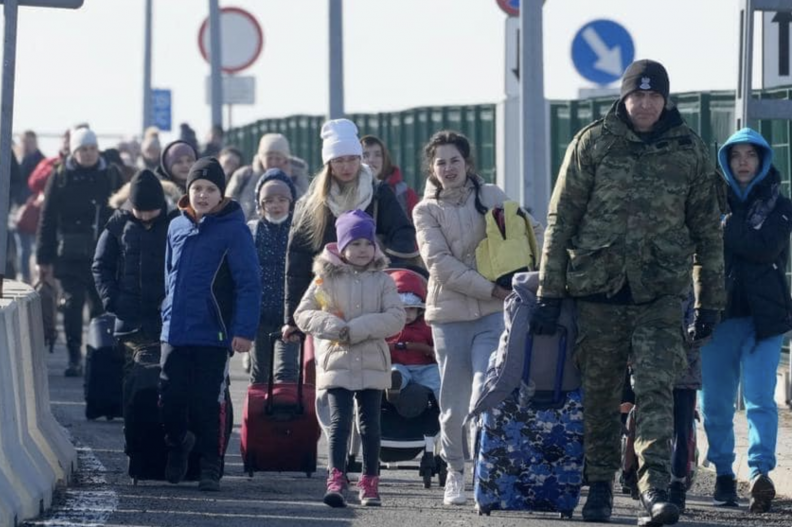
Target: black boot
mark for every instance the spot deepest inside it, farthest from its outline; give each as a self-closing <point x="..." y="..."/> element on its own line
<point x="210" y="474"/>
<point x="659" y="508"/>
<point x="599" y="504"/>
<point x="178" y="456"/>
<point x="75" y="368"/>
<point x="677" y="494"/>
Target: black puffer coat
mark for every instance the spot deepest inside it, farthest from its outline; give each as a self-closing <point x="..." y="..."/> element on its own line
<point x="129" y="271"/>
<point x="74" y="211"/>
<point x="756" y="260"/>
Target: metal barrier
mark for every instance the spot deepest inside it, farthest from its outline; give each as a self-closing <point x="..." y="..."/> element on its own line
<point x="405" y="134"/>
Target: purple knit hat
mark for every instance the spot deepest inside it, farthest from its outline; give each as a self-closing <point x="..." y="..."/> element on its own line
<point x="353" y="225"/>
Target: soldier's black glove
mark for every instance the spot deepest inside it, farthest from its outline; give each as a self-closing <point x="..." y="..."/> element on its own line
<point x="544" y="320"/>
<point x="704" y="322"/>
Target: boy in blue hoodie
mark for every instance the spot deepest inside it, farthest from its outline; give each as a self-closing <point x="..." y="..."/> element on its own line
<point x="746" y="345"/>
<point x="211" y="309"/>
<point x="275" y="194"/>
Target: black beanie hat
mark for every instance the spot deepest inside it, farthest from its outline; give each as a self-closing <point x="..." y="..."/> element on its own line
<point x="645" y="75"/>
<point x="145" y="191"/>
<point x="210" y="169"/>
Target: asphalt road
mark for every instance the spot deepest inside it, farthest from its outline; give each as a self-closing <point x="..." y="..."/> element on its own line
<point x="102" y="494"/>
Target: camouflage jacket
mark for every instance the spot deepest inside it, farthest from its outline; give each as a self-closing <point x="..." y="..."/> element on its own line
<point x="629" y="210"/>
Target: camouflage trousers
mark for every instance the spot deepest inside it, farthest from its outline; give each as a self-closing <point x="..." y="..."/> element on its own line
<point x="649" y="337"/>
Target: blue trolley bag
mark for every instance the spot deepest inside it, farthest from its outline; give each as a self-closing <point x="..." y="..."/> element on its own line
<point x="530" y="453"/>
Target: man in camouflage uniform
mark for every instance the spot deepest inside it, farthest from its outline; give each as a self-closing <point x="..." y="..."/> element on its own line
<point x="633" y="212"/>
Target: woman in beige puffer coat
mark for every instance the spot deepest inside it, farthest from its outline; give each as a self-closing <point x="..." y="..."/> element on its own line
<point x="350" y="308"/>
<point x="464" y="309"/>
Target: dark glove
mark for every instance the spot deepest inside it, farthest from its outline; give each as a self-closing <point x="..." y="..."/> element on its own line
<point x="544" y="320"/>
<point x="704" y="322"/>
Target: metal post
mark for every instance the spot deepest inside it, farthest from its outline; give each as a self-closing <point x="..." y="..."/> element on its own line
<point x="216" y="59"/>
<point x="535" y="185"/>
<point x="336" y="41"/>
<point x="147" y="68"/>
<point x="744" y="82"/>
<point x="10" y="10"/>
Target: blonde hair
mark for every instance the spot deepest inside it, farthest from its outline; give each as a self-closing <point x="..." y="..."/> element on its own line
<point x="312" y="216"/>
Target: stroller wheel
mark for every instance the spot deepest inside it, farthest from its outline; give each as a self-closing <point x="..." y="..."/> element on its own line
<point x="442" y="471"/>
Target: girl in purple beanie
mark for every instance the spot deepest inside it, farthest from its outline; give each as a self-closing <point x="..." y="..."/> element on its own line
<point x="350" y="308"/>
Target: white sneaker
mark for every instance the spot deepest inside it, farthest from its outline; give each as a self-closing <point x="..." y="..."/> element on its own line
<point x="455" y="489"/>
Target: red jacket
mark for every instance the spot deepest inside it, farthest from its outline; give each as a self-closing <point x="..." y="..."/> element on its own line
<point x="418" y="331"/>
<point x="406" y="196"/>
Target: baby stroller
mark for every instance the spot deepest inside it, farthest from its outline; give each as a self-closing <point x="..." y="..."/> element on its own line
<point x="409" y="428"/>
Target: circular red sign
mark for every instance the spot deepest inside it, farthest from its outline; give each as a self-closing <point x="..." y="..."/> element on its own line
<point x="255" y="49"/>
<point x="510" y="7"/>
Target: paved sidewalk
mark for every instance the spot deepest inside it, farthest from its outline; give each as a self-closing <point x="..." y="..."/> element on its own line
<point x="782" y="475"/>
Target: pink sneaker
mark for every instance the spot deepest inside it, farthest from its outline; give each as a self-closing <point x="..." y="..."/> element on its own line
<point x="369" y="491"/>
<point x="336" y="484"/>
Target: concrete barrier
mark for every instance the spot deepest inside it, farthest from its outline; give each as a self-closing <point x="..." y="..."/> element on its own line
<point x="35" y="454"/>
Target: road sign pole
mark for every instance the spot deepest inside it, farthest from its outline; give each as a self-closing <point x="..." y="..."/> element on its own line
<point x="147" y="68"/>
<point x="336" y="41"/>
<point x="535" y="183"/>
<point x="216" y="59"/>
<point x="10" y="11"/>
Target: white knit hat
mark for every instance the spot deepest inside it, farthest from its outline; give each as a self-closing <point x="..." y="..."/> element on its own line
<point x="81" y="137"/>
<point x="274" y="143"/>
<point x="339" y="138"/>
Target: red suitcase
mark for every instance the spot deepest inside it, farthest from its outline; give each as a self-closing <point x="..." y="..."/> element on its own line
<point x="280" y="432"/>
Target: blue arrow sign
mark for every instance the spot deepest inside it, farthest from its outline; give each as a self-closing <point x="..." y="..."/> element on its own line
<point x="602" y="50"/>
<point x="161" y="109"/>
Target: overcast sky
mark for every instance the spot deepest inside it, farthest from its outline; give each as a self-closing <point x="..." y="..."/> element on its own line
<point x="86" y="65"/>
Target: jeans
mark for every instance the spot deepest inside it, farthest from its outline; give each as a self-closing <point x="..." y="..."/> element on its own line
<point x="424" y="374"/>
<point x="463" y="350"/>
<point x="732" y="356"/>
<point x="286" y="356"/>
<point x="192" y="395"/>
<point x="341" y="412"/>
<point x="24" y="247"/>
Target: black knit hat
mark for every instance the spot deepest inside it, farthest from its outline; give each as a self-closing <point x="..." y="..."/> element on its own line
<point x="210" y="169"/>
<point x="645" y="75"/>
<point x="145" y="191"/>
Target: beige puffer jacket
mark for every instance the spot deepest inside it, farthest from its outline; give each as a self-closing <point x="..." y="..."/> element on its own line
<point x="364" y="301"/>
<point x="448" y="231"/>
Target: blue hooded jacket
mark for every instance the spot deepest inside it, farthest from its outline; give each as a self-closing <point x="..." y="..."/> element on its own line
<point x="271" y="240"/>
<point x="746" y="135"/>
<point x="211" y="278"/>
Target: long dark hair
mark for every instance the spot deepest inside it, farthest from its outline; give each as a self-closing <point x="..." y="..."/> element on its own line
<point x="461" y="143"/>
<point x="387" y="163"/>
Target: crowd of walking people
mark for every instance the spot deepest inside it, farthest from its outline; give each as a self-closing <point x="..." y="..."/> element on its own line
<point x="205" y="256"/>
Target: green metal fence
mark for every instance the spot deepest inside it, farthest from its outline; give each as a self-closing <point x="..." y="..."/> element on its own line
<point x="404" y="132"/>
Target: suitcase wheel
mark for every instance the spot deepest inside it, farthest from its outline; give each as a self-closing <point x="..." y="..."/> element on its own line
<point x="565" y="514"/>
<point x="482" y="511"/>
<point x="134" y="482"/>
<point x="308" y="474"/>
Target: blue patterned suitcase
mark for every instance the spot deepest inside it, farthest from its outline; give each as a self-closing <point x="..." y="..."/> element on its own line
<point x="530" y="456"/>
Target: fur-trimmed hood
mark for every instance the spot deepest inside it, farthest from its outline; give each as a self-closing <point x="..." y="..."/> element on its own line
<point x="330" y="263"/>
<point x="120" y="200"/>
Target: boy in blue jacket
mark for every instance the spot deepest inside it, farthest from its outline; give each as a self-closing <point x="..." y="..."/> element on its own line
<point x="211" y="310"/>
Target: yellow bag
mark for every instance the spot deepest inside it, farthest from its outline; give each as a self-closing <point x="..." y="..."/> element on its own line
<point x="510" y="246"/>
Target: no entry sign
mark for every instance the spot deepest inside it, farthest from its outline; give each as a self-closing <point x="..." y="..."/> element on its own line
<point x="242" y="39"/>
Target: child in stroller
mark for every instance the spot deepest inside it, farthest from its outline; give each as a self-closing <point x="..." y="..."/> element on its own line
<point x="410" y="413"/>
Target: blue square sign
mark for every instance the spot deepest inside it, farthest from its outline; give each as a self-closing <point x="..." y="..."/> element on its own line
<point x="161" y="109"/>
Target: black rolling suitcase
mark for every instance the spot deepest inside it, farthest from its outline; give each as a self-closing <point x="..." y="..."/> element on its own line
<point x="143" y="432"/>
<point x="104" y="370"/>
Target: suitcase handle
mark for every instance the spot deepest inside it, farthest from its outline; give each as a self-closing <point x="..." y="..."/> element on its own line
<point x="274" y="337"/>
<point x="560" y="365"/>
